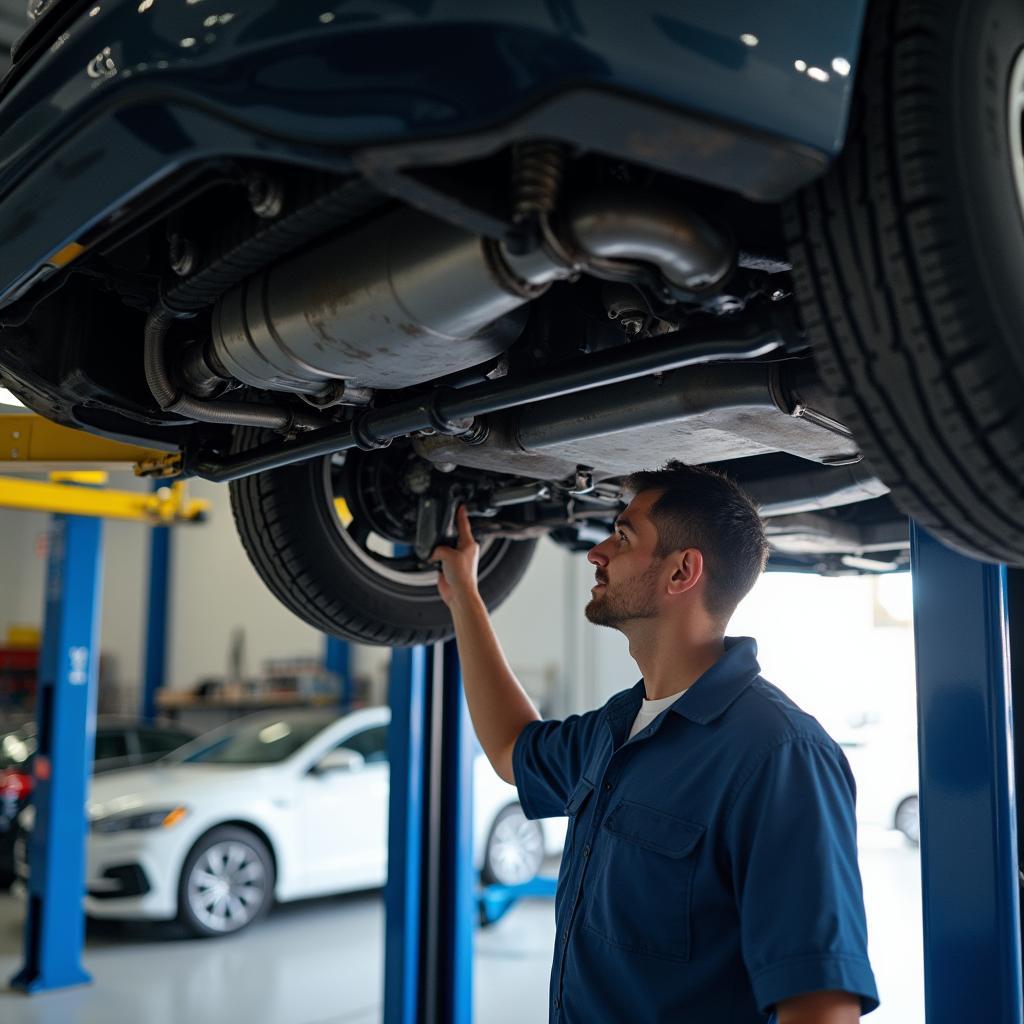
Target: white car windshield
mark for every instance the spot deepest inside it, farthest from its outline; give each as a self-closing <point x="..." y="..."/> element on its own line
<point x="263" y="741"/>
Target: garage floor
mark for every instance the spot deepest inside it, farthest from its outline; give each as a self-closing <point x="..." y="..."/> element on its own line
<point x="320" y="962"/>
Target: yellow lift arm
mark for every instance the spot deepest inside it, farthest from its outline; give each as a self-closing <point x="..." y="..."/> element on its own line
<point x="30" y="442"/>
<point x="162" y="507"/>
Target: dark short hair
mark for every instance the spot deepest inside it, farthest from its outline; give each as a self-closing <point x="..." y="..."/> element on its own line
<point x="703" y="509"/>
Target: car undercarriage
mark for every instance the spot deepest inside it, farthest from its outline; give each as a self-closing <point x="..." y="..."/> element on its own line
<point x="609" y="327"/>
<point x="513" y="297"/>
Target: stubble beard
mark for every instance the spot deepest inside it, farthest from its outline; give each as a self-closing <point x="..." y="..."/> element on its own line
<point x="632" y="599"/>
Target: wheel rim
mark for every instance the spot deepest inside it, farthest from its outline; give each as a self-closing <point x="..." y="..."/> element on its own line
<point x="227" y="886"/>
<point x="1015" y="108"/>
<point x="515" y="850"/>
<point x="377" y="552"/>
<point x="908" y="819"/>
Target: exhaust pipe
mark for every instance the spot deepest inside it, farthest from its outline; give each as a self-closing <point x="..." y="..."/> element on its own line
<point x="408" y="298"/>
<point x="454" y="411"/>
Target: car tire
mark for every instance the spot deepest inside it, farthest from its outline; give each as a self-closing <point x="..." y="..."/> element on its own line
<point x="515" y="848"/>
<point x="908" y="259"/>
<point x="226" y="883"/>
<point x="291" y="530"/>
<point x="908" y="820"/>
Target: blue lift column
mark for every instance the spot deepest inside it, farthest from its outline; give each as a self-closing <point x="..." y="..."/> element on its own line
<point x="1015" y="617"/>
<point x="338" y="659"/>
<point x="155" y="670"/>
<point x="969" y="864"/>
<point x="66" y="717"/>
<point x="429" y="899"/>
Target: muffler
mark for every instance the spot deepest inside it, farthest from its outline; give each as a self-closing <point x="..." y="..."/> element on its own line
<point x="409" y="298"/>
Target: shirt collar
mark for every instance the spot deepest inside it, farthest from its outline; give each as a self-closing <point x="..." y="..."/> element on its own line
<point x="721" y="684"/>
<point x="711" y="693"/>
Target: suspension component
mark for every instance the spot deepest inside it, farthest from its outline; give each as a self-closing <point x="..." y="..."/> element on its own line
<point x="537" y="171"/>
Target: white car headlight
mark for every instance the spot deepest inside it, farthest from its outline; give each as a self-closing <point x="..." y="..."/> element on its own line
<point x="137" y="821"/>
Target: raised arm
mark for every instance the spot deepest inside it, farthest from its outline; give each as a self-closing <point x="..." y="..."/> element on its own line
<point x="498" y="705"/>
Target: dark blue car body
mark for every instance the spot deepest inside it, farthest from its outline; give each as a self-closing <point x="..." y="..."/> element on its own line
<point x="107" y="100"/>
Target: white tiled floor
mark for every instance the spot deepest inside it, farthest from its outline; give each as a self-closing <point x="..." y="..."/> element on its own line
<point x="320" y="962"/>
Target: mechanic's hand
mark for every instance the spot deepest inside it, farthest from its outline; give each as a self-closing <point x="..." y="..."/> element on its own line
<point x="457" y="579"/>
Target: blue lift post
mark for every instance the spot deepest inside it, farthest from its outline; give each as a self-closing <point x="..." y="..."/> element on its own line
<point x="969" y="863"/>
<point x="1015" y="618"/>
<point x="66" y="716"/>
<point x="454" y="924"/>
<point x="429" y="899"/>
<point x="155" y="670"/>
<point x="403" y="894"/>
<point x="338" y="659"/>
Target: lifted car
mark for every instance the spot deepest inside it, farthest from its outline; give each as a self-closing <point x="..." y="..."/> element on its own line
<point x="365" y="264"/>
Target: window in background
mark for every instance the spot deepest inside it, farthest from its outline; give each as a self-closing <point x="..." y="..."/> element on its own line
<point x="843" y="649"/>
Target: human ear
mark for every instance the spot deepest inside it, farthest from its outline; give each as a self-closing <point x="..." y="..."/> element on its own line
<point x="687" y="572"/>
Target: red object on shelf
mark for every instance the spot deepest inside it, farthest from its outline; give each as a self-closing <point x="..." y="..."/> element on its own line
<point x="17" y="659"/>
<point x="19" y="669"/>
<point x="16" y="784"/>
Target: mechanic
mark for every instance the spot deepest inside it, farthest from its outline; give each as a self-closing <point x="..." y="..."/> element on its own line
<point x="710" y="866"/>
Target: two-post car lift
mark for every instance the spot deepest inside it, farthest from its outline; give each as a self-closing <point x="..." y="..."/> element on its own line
<point x="969" y="855"/>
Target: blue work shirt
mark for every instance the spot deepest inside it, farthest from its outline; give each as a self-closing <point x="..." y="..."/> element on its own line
<point x="710" y="865"/>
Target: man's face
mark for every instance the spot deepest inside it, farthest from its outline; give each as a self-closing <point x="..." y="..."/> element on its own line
<point x="626" y="570"/>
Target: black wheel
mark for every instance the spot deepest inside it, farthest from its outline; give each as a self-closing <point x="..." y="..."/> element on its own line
<point x="227" y="882"/>
<point x="908" y="819"/>
<point x="342" y="568"/>
<point x="515" y="848"/>
<point x="909" y="261"/>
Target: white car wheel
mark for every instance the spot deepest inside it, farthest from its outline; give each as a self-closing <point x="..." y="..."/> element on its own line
<point x="515" y="848"/>
<point x="908" y="819"/>
<point x="226" y="882"/>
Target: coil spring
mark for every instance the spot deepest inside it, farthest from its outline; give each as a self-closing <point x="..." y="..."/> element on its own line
<point x="537" y="178"/>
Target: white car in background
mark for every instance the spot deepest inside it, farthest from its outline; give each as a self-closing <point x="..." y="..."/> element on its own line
<point x="273" y="807"/>
<point x="884" y="765"/>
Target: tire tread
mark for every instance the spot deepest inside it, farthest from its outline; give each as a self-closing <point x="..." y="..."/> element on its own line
<point x="883" y="289"/>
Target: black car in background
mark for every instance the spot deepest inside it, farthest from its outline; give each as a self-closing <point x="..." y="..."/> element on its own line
<point x="120" y="743"/>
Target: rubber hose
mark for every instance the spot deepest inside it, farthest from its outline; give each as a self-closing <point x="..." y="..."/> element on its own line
<point x="236" y="413"/>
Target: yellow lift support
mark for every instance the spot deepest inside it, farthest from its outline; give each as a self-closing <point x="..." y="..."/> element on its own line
<point x="31" y="443"/>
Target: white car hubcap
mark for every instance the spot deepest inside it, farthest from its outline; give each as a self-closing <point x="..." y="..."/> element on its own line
<point x="516" y="849"/>
<point x="908" y="819"/>
<point x="227" y="886"/>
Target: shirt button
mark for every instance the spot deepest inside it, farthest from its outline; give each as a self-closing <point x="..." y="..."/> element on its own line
<point x="556" y="1004"/>
<point x="607" y="787"/>
<point x="586" y="851"/>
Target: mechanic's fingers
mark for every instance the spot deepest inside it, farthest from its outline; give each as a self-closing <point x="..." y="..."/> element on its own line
<point x="440" y="553"/>
<point x="465" y="530"/>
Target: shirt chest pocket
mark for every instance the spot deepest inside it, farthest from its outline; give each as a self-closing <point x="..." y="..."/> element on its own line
<point x="641" y="882"/>
<point x="575" y="808"/>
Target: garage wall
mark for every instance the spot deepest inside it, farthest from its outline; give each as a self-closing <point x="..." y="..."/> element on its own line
<point x="21" y="569"/>
<point x="214" y="591"/>
<point x="535" y="627"/>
